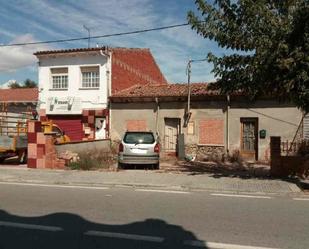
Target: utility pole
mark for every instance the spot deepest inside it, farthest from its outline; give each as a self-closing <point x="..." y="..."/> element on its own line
<point x="88" y="29"/>
<point x="189" y="89"/>
<point x="188" y="114"/>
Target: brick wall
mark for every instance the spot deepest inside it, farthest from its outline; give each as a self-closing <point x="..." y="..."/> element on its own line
<point x="211" y="131"/>
<point x="134" y="66"/>
<point x="88" y="121"/>
<point x="136" y="125"/>
<point x="41" y="149"/>
<point x="284" y="166"/>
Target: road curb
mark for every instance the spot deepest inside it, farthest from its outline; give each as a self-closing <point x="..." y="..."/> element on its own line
<point x="147" y="186"/>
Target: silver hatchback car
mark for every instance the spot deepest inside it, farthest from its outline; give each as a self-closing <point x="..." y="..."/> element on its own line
<point x="139" y="148"/>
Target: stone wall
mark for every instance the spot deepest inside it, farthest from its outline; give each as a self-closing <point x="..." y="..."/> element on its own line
<point x="205" y="152"/>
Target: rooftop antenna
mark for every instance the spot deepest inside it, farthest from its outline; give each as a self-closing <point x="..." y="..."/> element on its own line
<point x="88" y="29"/>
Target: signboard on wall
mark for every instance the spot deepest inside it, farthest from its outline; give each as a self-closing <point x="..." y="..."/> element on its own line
<point x="64" y="105"/>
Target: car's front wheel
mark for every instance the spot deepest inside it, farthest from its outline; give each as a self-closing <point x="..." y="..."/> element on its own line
<point x="121" y="165"/>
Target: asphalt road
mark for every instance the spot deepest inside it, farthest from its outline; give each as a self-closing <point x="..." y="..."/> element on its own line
<point x="38" y="216"/>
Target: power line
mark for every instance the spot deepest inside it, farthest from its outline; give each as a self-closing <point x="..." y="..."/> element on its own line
<point x="96" y="37"/>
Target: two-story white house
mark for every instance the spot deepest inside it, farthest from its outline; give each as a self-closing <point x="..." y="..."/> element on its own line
<point x="74" y="85"/>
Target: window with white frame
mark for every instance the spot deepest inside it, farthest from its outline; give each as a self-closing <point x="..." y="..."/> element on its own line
<point x="90" y="77"/>
<point x="59" y="78"/>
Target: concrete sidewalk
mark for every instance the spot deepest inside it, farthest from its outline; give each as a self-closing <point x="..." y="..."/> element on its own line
<point x="147" y="178"/>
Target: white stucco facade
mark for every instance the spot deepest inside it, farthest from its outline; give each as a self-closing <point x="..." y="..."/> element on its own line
<point x="75" y="98"/>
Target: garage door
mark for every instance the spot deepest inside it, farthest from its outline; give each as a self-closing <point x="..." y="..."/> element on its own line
<point x="70" y="124"/>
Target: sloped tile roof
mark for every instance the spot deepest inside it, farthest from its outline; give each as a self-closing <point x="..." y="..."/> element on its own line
<point x="70" y="50"/>
<point x="19" y="95"/>
<point x="167" y="90"/>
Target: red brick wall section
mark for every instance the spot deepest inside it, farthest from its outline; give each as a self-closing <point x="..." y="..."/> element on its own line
<point x="133" y="66"/>
<point x="88" y="120"/>
<point x="211" y="131"/>
<point x="42" y="115"/>
<point x="136" y="125"/>
<point x="41" y="149"/>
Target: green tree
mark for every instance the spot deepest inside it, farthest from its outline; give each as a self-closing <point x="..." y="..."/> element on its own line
<point x="269" y="40"/>
<point x="29" y="84"/>
<point x="14" y="85"/>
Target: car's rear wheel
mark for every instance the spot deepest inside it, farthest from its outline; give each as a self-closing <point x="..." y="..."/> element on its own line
<point x="156" y="166"/>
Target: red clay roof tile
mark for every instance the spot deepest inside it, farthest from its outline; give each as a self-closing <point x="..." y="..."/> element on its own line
<point x="19" y="95"/>
<point x="167" y="90"/>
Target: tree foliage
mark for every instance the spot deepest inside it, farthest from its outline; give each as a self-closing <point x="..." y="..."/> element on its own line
<point x="269" y="40"/>
<point x="27" y="84"/>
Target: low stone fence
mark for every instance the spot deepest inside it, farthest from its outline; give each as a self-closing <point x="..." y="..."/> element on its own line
<point x="103" y="145"/>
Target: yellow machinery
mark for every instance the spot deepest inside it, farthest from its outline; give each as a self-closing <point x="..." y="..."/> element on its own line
<point x="49" y="128"/>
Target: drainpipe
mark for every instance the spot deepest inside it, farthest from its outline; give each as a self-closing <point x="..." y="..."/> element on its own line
<point x="105" y="53"/>
<point x="157" y="116"/>
<point x="227" y="140"/>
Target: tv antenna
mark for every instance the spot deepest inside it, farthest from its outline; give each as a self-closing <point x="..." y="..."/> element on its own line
<point x="88" y="29"/>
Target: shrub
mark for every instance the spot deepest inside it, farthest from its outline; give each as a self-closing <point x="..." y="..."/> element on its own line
<point x="95" y="159"/>
<point x="235" y="157"/>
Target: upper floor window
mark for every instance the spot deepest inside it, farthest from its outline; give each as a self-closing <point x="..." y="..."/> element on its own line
<point x="59" y="78"/>
<point x="90" y="77"/>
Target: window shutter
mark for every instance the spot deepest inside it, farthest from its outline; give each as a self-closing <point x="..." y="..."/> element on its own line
<point x="89" y="69"/>
<point x="59" y="70"/>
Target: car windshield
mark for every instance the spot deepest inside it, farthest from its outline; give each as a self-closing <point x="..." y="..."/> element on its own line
<point x="139" y="138"/>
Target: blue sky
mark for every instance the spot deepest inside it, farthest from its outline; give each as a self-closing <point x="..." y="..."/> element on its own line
<point x="40" y="20"/>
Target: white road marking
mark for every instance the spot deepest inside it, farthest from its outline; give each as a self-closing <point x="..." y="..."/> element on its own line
<point x="162" y="191"/>
<point x="301" y="199"/>
<point x="125" y="236"/>
<point x="243" y="196"/>
<point x="53" y="185"/>
<point x="214" y="245"/>
<point x="31" y="226"/>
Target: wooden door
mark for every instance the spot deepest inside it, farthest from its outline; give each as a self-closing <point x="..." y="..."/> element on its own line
<point x="171" y="134"/>
<point x="249" y="138"/>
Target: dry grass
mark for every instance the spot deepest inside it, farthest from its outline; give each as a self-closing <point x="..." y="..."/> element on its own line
<point x="93" y="160"/>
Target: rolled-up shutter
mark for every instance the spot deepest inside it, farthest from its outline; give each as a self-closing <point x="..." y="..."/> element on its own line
<point x="70" y="124"/>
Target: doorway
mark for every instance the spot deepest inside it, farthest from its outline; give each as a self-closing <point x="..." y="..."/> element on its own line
<point x="249" y="138"/>
<point x="171" y="131"/>
<point x="100" y="125"/>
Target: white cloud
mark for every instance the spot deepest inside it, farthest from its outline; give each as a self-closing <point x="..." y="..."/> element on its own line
<point x="7" y="84"/>
<point x="14" y="58"/>
<point x="48" y="20"/>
